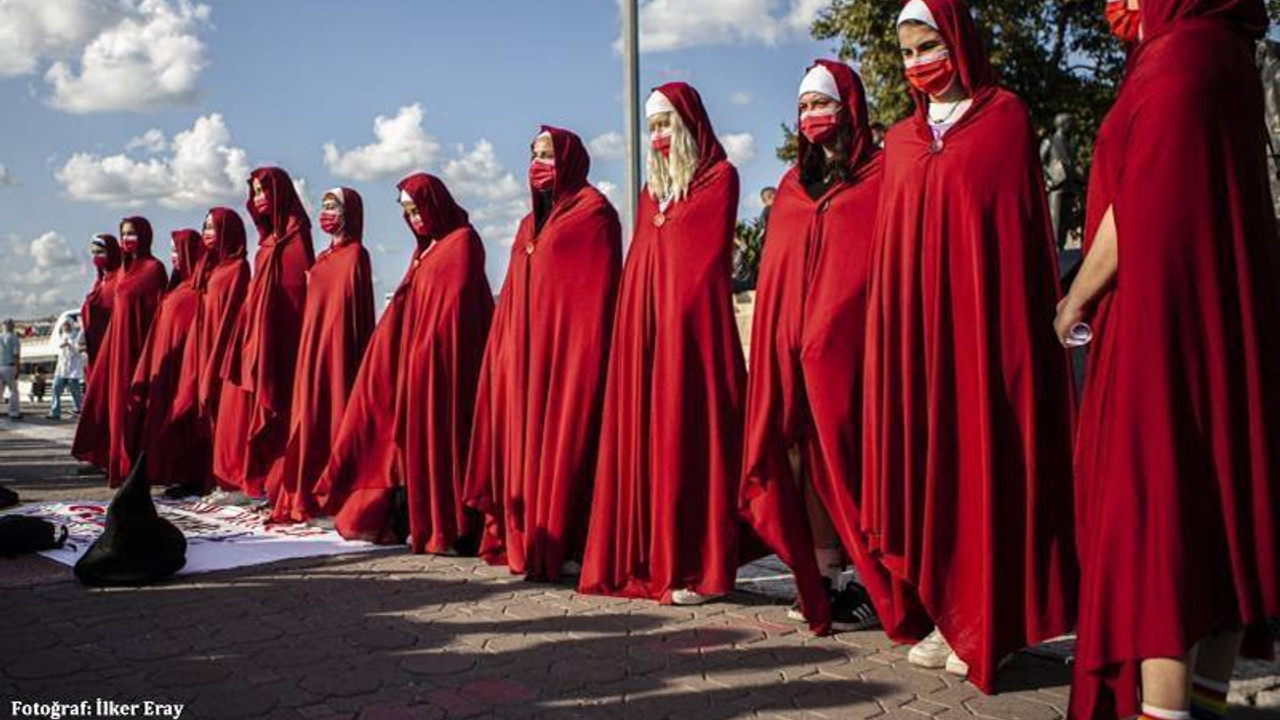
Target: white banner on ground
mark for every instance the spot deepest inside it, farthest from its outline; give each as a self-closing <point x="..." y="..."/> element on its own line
<point x="218" y="537"/>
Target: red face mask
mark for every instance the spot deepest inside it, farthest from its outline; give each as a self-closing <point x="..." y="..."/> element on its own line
<point x="331" y="221"/>
<point x="819" y="129"/>
<point x="129" y="243"/>
<point x="209" y="238"/>
<point x="1125" y="23"/>
<point x="100" y="262"/>
<point x="933" y="74"/>
<point x="542" y="175"/>
<point x="418" y="224"/>
<point x="662" y="143"/>
<point x="262" y="204"/>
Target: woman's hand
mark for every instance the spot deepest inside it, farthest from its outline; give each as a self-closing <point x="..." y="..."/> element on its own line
<point x="1069" y="315"/>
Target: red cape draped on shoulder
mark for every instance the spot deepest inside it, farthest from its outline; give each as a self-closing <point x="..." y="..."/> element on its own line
<point x="410" y="429"/>
<point x="176" y="454"/>
<point x="336" y="326"/>
<point x="95" y="312"/>
<point x="805" y="384"/>
<point x="967" y="486"/>
<point x="664" y="513"/>
<point x="533" y="449"/>
<point x="260" y="363"/>
<point x="103" y="435"/>
<point x="1178" y="454"/>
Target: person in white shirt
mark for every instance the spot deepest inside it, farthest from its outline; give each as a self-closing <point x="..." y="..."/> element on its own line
<point x="69" y="374"/>
<point x="10" y="361"/>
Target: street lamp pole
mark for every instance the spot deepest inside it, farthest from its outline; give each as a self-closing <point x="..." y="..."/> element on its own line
<point x="631" y="102"/>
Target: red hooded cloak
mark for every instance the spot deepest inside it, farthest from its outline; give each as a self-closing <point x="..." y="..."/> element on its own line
<point x="104" y="435"/>
<point x="533" y="449"/>
<point x="967" y="487"/>
<point x="409" y="419"/>
<point x="95" y="313"/>
<point x="664" y="515"/>
<point x="1178" y="459"/>
<point x="336" y="326"/>
<point x="263" y="354"/>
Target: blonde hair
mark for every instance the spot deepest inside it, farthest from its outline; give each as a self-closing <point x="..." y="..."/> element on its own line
<point x="670" y="176"/>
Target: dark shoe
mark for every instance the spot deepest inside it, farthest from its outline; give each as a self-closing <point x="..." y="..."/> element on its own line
<point x="8" y="498"/>
<point x="182" y="492"/>
<point x="851" y="609"/>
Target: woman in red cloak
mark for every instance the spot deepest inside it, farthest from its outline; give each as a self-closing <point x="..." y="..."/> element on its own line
<point x="336" y="326"/>
<point x="95" y="313"/>
<point x="804" y="392"/>
<point x="103" y="435"/>
<point x="664" y="520"/>
<point x="533" y="449"/>
<point x="402" y="446"/>
<point x="967" y="489"/>
<point x="221" y="284"/>
<point x="254" y="428"/>
<point x="1178" y="455"/>
<point x="175" y="454"/>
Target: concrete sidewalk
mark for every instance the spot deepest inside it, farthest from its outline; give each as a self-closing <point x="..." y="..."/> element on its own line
<point x="392" y="635"/>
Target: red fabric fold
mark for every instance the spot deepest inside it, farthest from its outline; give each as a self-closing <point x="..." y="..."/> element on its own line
<point x="104" y="432"/>
<point x="409" y="418"/>
<point x="664" y="513"/>
<point x="176" y="453"/>
<point x="262" y="358"/>
<point x="967" y="486"/>
<point x="336" y="325"/>
<point x="805" y="385"/>
<point x="1178" y="453"/>
<point x="533" y="447"/>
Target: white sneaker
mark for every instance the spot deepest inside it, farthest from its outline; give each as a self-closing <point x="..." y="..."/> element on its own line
<point x="324" y="523"/>
<point x="931" y="652"/>
<point x="956" y="666"/>
<point x="689" y="597"/>
<point x="230" y="499"/>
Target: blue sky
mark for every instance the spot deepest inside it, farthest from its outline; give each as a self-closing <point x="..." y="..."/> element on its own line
<point x="160" y="107"/>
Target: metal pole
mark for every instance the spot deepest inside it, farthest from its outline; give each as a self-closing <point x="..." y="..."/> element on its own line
<point x="631" y="103"/>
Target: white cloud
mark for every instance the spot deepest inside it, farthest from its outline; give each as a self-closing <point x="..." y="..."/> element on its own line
<point x="609" y="190"/>
<point x="201" y="169"/>
<point x="6" y="177"/>
<point x="500" y="200"/>
<point x="670" y="25"/>
<point x="740" y="147"/>
<point x="111" y="54"/>
<point x="402" y="145"/>
<point x="43" y="276"/>
<point x="304" y="194"/>
<point x="741" y="97"/>
<point x="609" y="146"/>
<point x="153" y="141"/>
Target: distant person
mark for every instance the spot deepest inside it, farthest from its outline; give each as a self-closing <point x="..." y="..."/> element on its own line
<point x="69" y="373"/>
<point x="39" y="384"/>
<point x="767" y="197"/>
<point x="10" y="358"/>
<point x="878" y="131"/>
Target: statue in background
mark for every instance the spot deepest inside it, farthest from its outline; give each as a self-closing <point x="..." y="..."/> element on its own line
<point x="1269" y="66"/>
<point x="1062" y="178"/>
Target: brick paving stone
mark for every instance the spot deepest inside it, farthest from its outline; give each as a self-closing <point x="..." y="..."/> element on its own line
<point x="1010" y="707"/>
<point x="56" y="663"/>
<point x="436" y="663"/>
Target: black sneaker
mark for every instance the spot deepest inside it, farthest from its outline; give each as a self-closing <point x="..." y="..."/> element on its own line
<point x="851" y="609"/>
<point x="796" y="614"/>
<point x="8" y="498"/>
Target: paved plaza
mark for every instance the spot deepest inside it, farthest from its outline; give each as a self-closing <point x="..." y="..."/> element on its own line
<point x="389" y="635"/>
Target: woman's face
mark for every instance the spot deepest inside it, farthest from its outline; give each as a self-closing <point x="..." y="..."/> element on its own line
<point x="331" y="204"/>
<point x="817" y="103"/>
<point x="660" y="123"/>
<point x="411" y="212"/>
<point x="257" y="189"/>
<point x="918" y="40"/>
<point x="97" y="251"/>
<point x="543" y="149"/>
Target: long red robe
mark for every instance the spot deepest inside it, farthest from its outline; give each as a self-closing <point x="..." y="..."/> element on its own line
<point x="95" y="312"/>
<point x="176" y="454"/>
<point x="258" y="369"/>
<point x="222" y="282"/>
<point x="336" y="325"/>
<point x="1178" y="459"/>
<point x="664" y="514"/>
<point x="967" y="487"/>
<point x="104" y="432"/>
<point x="805" y="385"/>
<point x="533" y="448"/>
<point x="409" y="419"/>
